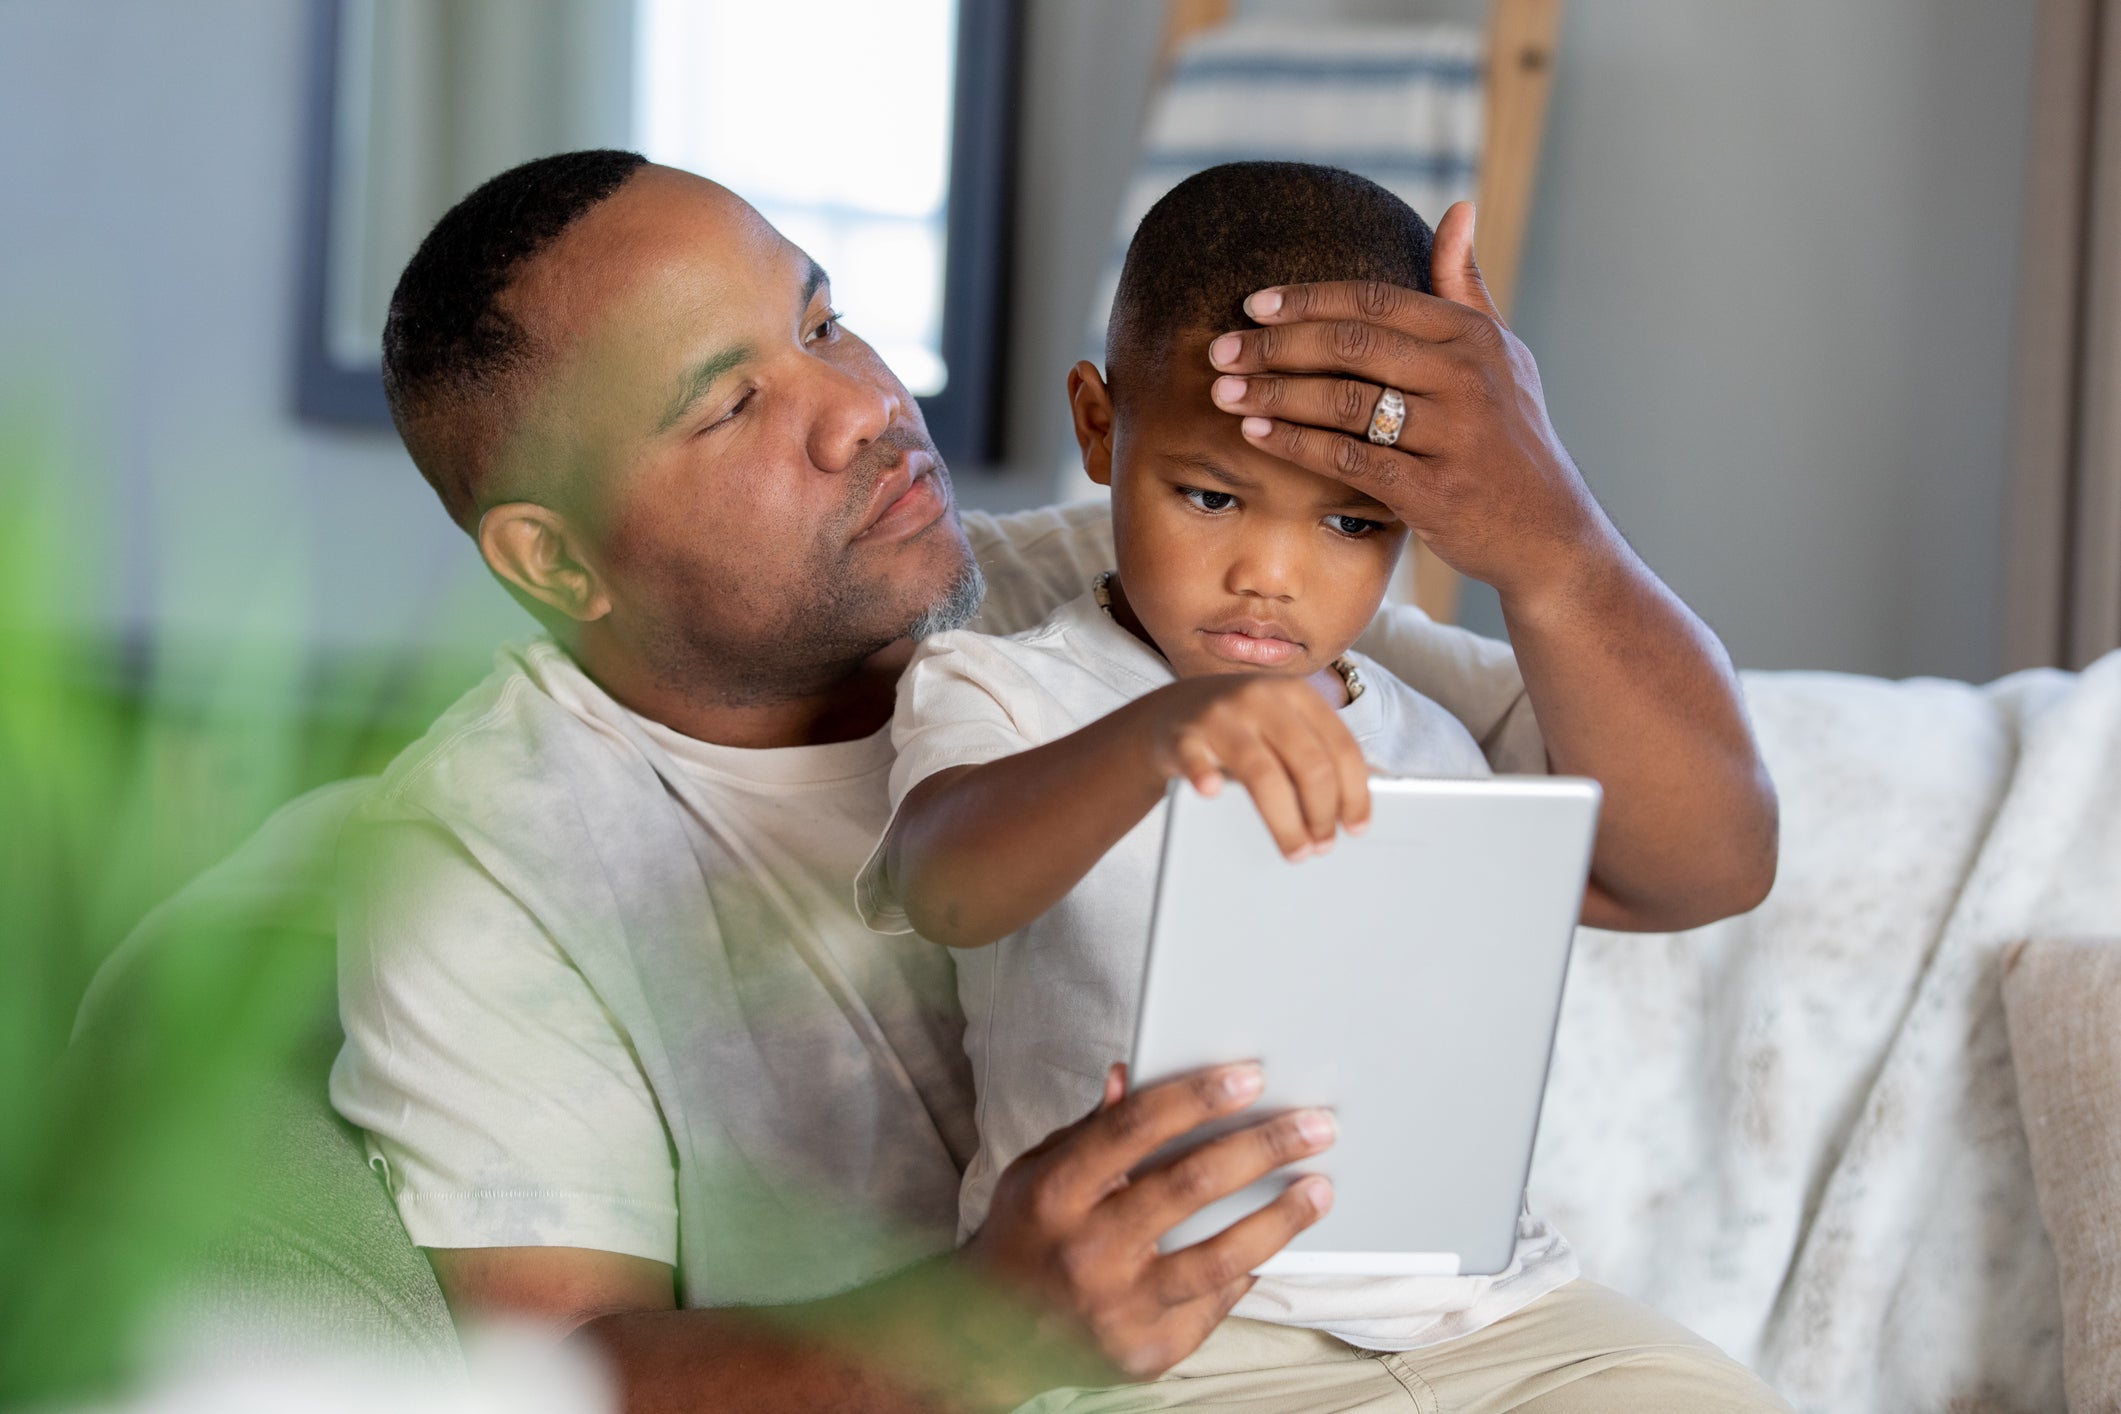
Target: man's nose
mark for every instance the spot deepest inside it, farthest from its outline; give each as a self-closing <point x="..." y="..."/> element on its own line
<point x="853" y="411"/>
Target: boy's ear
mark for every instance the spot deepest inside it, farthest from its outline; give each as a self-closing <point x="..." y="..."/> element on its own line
<point x="534" y="549"/>
<point x="1090" y="402"/>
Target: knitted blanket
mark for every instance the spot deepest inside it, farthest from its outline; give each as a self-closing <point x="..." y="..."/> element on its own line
<point x="1797" y="1131"/>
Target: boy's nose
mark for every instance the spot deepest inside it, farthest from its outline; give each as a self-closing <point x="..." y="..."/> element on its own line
<point x="1267" y="567"/>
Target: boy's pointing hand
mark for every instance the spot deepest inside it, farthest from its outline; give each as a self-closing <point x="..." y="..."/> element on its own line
<point x="1477" y="470"/>
<point x="1278" y="738"/>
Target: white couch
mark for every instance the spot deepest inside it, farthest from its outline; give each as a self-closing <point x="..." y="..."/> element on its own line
<point x="1797" y="1131"/>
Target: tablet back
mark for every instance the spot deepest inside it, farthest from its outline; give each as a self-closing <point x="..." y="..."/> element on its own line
<point x="1410" y="980"/>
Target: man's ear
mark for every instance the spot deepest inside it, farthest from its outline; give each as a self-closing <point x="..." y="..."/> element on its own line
<point x="1090" y="401"/>
<point x="535" y="549"/>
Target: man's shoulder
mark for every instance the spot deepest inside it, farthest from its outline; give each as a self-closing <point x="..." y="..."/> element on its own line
<point x="495" y="740"/>
<point x="1037" y="560"/>
<point x="1040" y="529"/>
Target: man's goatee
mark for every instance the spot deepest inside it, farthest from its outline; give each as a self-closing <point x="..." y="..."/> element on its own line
<point x="958" y="606"/>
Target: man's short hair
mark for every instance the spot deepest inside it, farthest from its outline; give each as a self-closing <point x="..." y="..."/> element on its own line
<point x="451" y="355"/>
<point x="1224" y="233"/>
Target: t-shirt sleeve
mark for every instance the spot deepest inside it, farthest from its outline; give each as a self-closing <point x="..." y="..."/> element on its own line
<point x="1473" y="678"/>
<point x="959" y="704"/>
<point x="1036" y="561"/>
<point x="501" y="1100"/>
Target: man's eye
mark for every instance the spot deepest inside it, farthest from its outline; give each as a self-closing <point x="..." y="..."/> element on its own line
<point x="1208" y="500"/>
<point x="1354" y="525"/>
<point x="734" y="408"/>
<point x="828" y="327"/>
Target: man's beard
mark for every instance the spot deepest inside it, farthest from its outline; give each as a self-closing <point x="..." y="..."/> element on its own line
<point x="958" y="606"/>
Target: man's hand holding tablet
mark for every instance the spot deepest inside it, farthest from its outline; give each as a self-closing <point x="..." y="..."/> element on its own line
<point x="1076" y="1222"/>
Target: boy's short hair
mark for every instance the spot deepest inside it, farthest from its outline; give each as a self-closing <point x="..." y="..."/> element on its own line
<point x="1224" y="233"/>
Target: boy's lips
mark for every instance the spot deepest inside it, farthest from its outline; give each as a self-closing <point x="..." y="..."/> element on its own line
<point x="1253" y="643"/>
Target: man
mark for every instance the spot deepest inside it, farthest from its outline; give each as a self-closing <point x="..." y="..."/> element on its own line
<point x="620" y="1041"/>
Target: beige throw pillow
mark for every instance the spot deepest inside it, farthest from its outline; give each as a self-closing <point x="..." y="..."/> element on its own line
<point x="2062" y="1000"/>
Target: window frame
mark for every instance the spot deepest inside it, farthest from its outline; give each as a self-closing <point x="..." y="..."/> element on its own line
<point x="964" y="418"/>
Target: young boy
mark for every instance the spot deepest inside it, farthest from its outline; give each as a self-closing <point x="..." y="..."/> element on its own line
<point x="1031" y="769"/>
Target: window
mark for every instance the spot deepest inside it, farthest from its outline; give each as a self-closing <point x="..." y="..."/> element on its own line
<point x="876" y="136"/>
<point x="714" y="82"/>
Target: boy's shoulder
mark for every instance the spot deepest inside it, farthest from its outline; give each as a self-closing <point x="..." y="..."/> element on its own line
<point x="1076" y="660"/>
<point x="1405" y="732"/>
<point x="1078" y="634"/>
<point x="1048" y="637"/>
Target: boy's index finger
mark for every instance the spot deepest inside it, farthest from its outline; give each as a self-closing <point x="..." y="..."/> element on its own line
<point x="1427" y="317"/>
<point x="1115" y="1140"/>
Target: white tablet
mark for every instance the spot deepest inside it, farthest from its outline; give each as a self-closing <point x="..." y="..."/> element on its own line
<point x="1409" y="980"/>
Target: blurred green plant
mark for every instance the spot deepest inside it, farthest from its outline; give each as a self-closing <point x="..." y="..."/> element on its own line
<point x="122" y="1162"/>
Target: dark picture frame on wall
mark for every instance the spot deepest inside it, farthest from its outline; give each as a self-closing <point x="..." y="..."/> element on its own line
<point x="964" y="418"/>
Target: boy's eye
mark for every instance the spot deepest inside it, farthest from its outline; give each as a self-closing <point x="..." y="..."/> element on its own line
<point x="1354" y="525"/>
<point x="1208" y="500"/>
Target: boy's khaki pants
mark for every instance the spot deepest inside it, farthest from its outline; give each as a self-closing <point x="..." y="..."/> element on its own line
<point x="1584" y="1349"/>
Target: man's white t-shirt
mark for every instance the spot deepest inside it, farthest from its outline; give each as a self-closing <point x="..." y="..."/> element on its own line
<point x="1050" y="1007"/>
<point x="502" y="1094"/>
<point x="505" y="1105"/>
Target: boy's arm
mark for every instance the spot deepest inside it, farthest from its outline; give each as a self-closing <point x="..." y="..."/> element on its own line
<point x="1629" y="687"/>
<point x="977" y="852"/>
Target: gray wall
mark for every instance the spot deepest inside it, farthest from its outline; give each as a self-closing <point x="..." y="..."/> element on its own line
<point x="149" y="156"/>
<point x="1769" y="282"/>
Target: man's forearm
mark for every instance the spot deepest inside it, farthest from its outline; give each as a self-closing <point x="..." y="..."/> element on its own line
<point x="1632" y="689"/>
<point x="980" y="851"/>
<point x="688" y="1362"/>
<point x="930" y="1338"/>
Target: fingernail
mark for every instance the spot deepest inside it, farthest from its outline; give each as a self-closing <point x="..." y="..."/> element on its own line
<point x="1224" y="350"/>
<point x="1317" y="1126"/>
<point x="1243" y="1082"/>
<point x="1228" y="389"/>
<point x="1318" y="1192"/>
<point x="1264" y="303"/>
<point x="1322" y="846"/>
<point x="1358" y="827"/>
<point x="1302" y="852"/>
<point x="1255" y="427"/>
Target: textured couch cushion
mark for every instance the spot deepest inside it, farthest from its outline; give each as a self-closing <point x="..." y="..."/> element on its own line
<point x="321" y="1261"/>
<point x="310" y="1253"/>
<point x="2063" y="1001"/>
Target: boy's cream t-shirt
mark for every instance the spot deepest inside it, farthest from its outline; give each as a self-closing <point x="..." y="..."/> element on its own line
<point x="1047" y="1009"/>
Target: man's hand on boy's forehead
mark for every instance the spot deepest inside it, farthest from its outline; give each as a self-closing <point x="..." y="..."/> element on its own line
<point x="1476" y="470"/>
